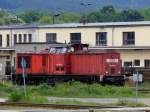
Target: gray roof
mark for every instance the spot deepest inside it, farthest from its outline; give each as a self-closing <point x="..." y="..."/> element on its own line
<point x="77" y="25"/>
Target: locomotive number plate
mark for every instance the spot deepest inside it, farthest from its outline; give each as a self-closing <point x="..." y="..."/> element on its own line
<point x="112" y="60"/>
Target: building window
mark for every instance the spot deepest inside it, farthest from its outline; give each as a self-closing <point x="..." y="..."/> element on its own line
<point x="101" y="38"/>
<point x="51" y="37"/>
<point x="20" y="38"/>
<point x="0" y="40"/>
<point x="128" y="64"/>
<point x="128" y="38"/>
<point x="15" y="39"/>
<point x="30" y="38"/>
<point x="75" y="37"/>
<point x="24" y="38"/>
<point x="8" y="40"/>
<point x="147" y="63"/>
<point x="136" y="62"/>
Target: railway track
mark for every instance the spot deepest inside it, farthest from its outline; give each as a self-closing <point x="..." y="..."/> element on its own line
<point x="55" y="106"/>
<point x="144" y="90"/>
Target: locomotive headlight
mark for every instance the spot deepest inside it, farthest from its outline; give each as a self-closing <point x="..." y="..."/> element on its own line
<point x="119" y="72"/>
<point x="106" y="72"/>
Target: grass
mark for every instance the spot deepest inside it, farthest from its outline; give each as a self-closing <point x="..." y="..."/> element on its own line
<point x="39" y="93"/>
<point x="77" y="89"/>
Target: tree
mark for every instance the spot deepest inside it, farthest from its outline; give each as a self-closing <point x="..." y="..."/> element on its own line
<point x="106" y="14"/>
<point x="67" y="17"/>
<point x="3" y="13"/>
<point x="30" y="16"/>
<point x="130" y="15"/>
<point x="46" y="19"/>
<point x="7" y="18"/>
<point x="146" y="14"/>
<point x="93" y="17"/>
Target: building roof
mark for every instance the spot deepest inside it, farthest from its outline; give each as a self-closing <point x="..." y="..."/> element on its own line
<point x="77" y="25"/>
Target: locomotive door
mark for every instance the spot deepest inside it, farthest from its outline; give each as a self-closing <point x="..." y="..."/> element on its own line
<point x="44" y="63"/>
<point x="112" y="64"/>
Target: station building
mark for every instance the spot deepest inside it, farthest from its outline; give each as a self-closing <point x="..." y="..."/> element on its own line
<point x="131" y="39"/>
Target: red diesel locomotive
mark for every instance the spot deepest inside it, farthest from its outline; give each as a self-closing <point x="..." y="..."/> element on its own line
<point x="74" y="62"/>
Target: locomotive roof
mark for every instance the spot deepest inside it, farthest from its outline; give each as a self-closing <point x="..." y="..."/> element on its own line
<point x="93" y="51"/>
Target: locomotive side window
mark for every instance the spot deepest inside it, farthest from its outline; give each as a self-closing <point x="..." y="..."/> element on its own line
<point x="59" y="68"/>
<point x="62" y="68"/>
<point x="27" y="59"/>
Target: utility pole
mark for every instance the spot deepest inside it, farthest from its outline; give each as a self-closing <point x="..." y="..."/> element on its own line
<point x="23" y="64"/>
<point x="86" y="6"/>
<point x="137" y="82"/>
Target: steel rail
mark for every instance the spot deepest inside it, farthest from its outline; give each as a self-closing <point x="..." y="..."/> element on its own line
<point x="54" y="106"/>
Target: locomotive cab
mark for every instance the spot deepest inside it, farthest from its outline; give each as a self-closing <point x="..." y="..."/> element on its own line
<point x="59" y="60"/>
<point x="113" y="69"/>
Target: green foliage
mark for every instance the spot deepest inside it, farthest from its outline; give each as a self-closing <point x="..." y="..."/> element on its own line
<point x="105" y="14"/>
<point x="109" y="14"/>
<point x="46" y="19"/>
<point x="7" y="18"/>
<point x="67" y="17"/>
<point x="77" y="89"/>
<point x="130" y="15"/>
<point x="37" y="99"/>
<point x="38" y="94"/>
<point x="30" y="16"/>
<point x="146" y="14"/>
<point x="16" y="96"/>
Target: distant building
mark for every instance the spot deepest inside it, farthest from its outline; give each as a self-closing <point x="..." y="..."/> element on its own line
<point x="131" y="39"/>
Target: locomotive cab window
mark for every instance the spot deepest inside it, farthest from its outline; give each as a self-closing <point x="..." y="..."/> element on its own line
<point x="27" y="59"/>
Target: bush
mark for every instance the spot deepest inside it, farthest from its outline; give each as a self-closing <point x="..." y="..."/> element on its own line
<point x="16" y="96"/>
<point x="38" y="99"/>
